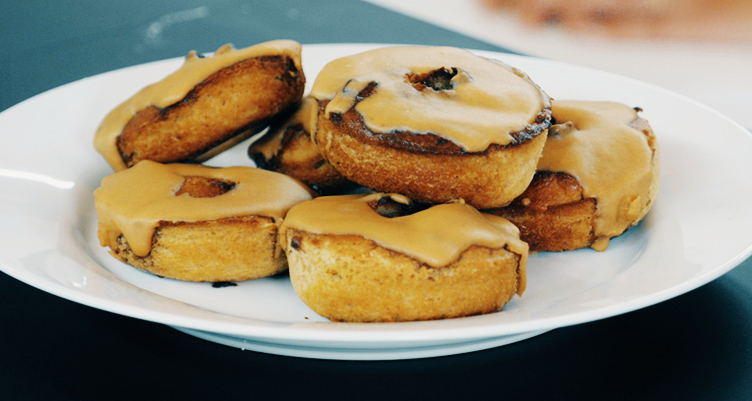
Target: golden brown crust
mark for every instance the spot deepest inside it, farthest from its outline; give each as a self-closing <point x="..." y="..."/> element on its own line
<point x="350" y="278"/>
<point x="230" y="105"/>
<point x="552" y="213"/>
<point x="488" y="179"/>
<point x="191" y="251"/>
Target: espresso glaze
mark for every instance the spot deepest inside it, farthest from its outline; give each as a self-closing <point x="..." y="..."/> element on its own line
<point x="271" y="143"/>
<point x="615" y="163"/>
<point x="435" y="236"/>
<point x="488" y="100"/>
<point x="132" y="202"/>
<point x="176" y="86"/>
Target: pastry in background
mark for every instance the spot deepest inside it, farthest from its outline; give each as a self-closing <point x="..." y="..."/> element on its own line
<point x="688" y="20"/>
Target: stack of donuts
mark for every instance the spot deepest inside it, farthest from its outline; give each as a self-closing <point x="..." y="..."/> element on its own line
<point x="409" y="184"/>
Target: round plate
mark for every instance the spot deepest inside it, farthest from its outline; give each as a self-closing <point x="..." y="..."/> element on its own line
<point x="697" y="230"/>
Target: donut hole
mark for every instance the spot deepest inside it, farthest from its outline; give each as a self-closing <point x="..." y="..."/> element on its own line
<point x="204" y="187"/>
<point x="438" y="80"/>
<point x="390" y="206"/>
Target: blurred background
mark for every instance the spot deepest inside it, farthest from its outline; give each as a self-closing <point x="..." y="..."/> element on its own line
<point x="698" y="48"/>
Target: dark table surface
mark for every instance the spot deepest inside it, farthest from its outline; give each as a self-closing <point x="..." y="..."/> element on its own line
<point x="696" y="346"/>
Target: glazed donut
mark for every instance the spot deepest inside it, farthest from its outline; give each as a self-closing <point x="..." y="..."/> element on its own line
<point x="433" y="123"/>
<point x="287" y="149"/>
<point x="196" y="223"/>
<point x="383" y="259"/>
<point x="205" y="107"/>
<point x="598" y="177"/>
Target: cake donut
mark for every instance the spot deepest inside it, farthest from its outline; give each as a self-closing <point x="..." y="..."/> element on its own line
<point x="287" y="148"/>
<point x="433" y="123"/>
<point x="385" y="259"/>
<point x="206" y="106"/>
<point x="597" y="177"/>
<point x="196" y="223"/>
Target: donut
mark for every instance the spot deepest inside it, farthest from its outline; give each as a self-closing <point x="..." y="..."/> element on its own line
<point x="287" y="148"/>
<point x="206" y="106"/>
<point x="196" y="223"/>
<point x="597" y="177"/>
<point x="386" y="259"/>
<point x="433" y="123"/>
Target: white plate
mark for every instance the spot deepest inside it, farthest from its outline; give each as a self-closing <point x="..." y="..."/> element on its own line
<point x="697" y="231"/>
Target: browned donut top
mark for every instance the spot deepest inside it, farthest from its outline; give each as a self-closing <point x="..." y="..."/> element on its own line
<point x="133" y="202"/>
<point x="177" y="85"/>
<point x="436" y="235"/>
<point x="465" y="99"/>
<point x="612" y="153"/>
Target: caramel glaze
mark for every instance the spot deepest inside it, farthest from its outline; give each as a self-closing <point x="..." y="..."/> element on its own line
<point x="462" y="99"/>
<point x="614" y="156"/>
<point x="173" y="88"/>
<point x="436" y="236"/>
<point x="133" y="202"/>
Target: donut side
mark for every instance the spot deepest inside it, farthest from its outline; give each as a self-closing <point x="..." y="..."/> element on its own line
<point x="552" y="214"/>
<point x="221" y="111"/>
<point x="352" y="279"/>
<point x="190" y="251"/>
<point x="425" y="167"/>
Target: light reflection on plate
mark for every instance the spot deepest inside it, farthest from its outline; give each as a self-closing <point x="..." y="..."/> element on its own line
<point x="697" y="230"/>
